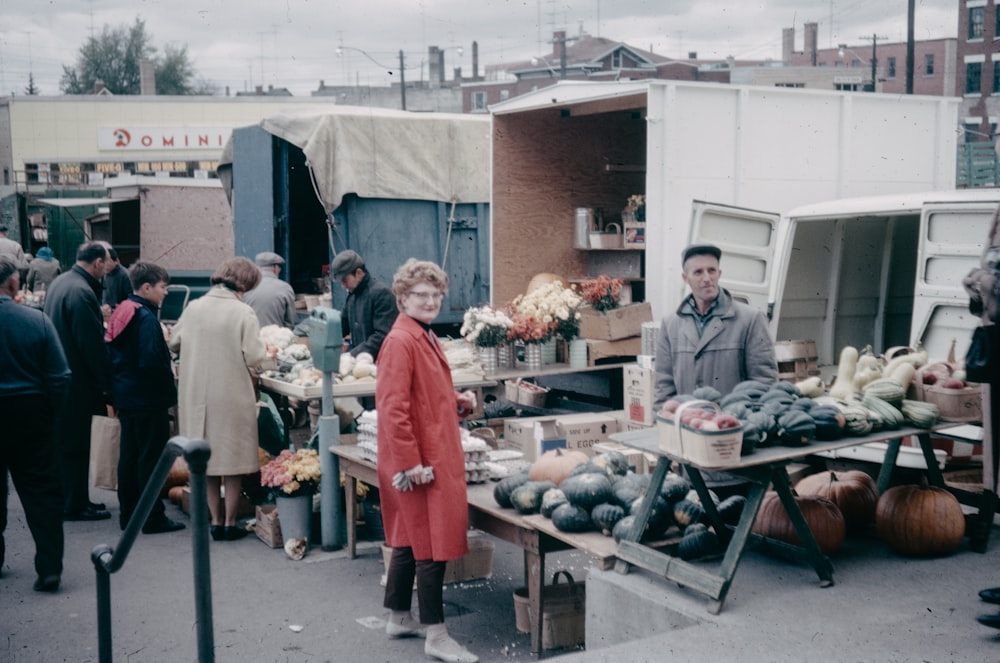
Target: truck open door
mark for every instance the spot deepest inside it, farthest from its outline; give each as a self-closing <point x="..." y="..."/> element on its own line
<point x="748" y="239"/>
<point x="950" y="244"/>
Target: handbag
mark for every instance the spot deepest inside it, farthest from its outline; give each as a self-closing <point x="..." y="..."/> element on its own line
<point x="982" y="360"/>
<point x="105" y="444"/>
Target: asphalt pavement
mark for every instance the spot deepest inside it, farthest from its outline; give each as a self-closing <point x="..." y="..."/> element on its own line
<point x="326" y="607"/>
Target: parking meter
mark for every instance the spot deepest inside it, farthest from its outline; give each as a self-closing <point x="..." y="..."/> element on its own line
<point x="326" y="339"/>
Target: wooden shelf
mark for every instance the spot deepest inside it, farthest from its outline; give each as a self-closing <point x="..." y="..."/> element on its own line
<point x="617" y="248"/>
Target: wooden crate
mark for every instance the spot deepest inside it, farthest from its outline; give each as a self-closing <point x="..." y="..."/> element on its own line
<point x="622" y="322"/>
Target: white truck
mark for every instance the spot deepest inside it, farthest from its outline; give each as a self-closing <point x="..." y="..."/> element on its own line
<point x="880" y="270"/>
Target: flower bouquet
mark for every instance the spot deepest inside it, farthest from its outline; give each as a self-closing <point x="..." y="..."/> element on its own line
<point x="602" y="292"/>
<point x="292" y="473"/>
<point x="636" y="207"/>
<point x="548" y="309"/>
<point x="485" y="326"/>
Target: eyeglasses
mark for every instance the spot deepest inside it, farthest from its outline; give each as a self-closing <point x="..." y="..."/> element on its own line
<point x="427" y="296"/>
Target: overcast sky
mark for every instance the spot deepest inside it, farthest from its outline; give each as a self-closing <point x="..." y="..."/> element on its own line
<point x="293" y="43"/>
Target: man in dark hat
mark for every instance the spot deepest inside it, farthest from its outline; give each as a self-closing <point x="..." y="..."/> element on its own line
<point x="33" y="381"/>
<point x="371" y="307"/>
<point x="273" y="300"/>
<point x="9" y="247"/>
<point x="711" y="340"/>
<point x="117" y="286"/>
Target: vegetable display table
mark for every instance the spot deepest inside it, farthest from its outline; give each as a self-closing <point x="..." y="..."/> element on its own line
<point x="535" y="535"/>
<point x="768" y="467"/>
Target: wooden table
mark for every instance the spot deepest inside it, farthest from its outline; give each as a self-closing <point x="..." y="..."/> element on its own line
<point x="535" y="535"/>
<point x="767" y="467"/>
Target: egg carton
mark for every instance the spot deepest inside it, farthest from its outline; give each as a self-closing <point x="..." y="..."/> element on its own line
<point x="477" y="476"/>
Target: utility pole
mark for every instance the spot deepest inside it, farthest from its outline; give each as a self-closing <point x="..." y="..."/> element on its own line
<point x="875" y="38"/>
<point x="402" y="80"/>
<point x="909" y="47"/>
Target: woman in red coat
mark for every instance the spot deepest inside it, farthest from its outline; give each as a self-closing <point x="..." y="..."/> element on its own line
<point x="421" y="466"/>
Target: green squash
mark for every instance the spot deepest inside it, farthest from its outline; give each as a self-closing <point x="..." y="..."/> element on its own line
<point x="731" y="508"/>
<point x="698" y="541"/>
<point x="614" y="463"/>
<point x="674" y="487"/>
<point x="787" y="387"/>
<point x="587" y="490"/>
<point x="527" y="498"/>
<point x="623" y="527"/>
<point x="796" y="428"/>
<point x="661" y="516"/>
<point x="687" y="513"/>
<point x="503" y="489"/>
<point x="830" y="422"/>
<point x="605" y="516"/>
<point x="552" y="498"/>
<point x="571" y="518"/>
<point x="707" y="394"/>
<point x="629" y="488"/>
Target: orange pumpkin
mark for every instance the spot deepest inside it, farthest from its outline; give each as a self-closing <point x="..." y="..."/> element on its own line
<point x="920" y="521"/>
<point x="823" y="517"/>
<point x="175" y="494"/>
<point x="555" y="465"/>
<point x="853" y="491"/>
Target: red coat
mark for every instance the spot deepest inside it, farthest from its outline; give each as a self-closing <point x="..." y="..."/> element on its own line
<point x="418" y="425"/>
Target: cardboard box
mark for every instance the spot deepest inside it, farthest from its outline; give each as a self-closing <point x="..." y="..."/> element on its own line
<point x="533" y="436"/>
<point x="626" y="347"/>
<point x="267" y="526"/>
<point x="622" y="322"/>
<point x="477" y="563"/>
<point x="637" y="385"/>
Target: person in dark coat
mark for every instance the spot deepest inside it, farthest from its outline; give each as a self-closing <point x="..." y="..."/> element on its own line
<point x="983" y="286"/>
<point x="370" y="309"/>
<point x="33" y="381"/>
<point x="72" y="302"/>
<point x="142" y="391"/>
<point x="117" y="286"/>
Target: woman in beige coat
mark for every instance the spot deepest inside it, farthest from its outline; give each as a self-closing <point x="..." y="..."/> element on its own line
<point x="218" y="338"/>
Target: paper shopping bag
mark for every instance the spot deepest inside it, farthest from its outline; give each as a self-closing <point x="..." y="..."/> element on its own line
<point x="105" y="440"/>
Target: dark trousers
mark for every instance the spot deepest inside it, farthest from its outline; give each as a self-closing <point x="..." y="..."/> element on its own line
<point x="144" y="435"/>
<point x="72" y="436"/>
<point x="27" y="453"/>
<point x="430" y="585"/>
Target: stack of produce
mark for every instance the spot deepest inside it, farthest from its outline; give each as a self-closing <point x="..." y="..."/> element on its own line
<point x="367" y="425"/>
<point x="600" y="493"/>
<point x="476" y="456"/>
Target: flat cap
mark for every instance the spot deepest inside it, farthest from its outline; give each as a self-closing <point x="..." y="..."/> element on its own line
<point x="701" y="250"/>
<point x="346" y="262"/>
<point x="268" y="258"/>
<point x="7" y="268"/>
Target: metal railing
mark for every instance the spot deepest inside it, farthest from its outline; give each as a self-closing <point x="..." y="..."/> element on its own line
<point x="108" y="560"/>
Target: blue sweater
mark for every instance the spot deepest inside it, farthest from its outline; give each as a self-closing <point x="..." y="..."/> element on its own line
<point x="32" y="361"/>
<point x="142" y="377"/>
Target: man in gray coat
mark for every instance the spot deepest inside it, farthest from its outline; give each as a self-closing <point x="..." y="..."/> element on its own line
<point x="711" y="340"/>
<point x="273" y="300"/>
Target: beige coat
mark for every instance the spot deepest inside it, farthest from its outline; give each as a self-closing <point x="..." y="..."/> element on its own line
<point x="218" y="338"/>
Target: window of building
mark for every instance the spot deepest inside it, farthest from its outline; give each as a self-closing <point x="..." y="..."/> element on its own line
<point x="973" y="77"/>
<point x="929" y="65"/>
<point x="890" y="67"/>
<point x="996" y="29"/>
<point x="504" y="95"/>
<point x="616" y="60"/>
<point x="478" y="101"/>
<point x="789" y="85"/>
<point x="976" y="19"/>
<point x="845" y="87"/>
<point x="996" y="76"/>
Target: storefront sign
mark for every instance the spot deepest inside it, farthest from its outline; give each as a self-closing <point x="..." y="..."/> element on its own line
<point x="125" y="138"/>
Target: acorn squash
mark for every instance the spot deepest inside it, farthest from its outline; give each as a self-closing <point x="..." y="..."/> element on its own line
<point x="527" y="498"/>
<point x="698" y="541"/>
<point x="571" y="518"/>
<point x="587" y="490"/>
<point x="605" y="516"/>
<point x="506" y="486"/>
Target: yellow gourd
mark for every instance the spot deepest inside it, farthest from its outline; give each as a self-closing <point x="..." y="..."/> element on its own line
<point x="843" y="386"/>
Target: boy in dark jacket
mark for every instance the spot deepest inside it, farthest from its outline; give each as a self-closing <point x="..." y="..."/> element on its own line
<point x="142" y="390"/>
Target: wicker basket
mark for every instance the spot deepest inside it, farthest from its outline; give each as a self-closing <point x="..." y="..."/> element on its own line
<point x="706" y="449"/>
<point x="516" y="392"/>
<point x="564" y="612"/>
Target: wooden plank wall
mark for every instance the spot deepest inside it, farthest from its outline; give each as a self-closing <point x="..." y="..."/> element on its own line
<point x="546" y="163"/>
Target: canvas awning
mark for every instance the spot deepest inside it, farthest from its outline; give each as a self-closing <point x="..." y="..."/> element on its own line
<point x="81" y="202"/>
<point x="380" y="153"/>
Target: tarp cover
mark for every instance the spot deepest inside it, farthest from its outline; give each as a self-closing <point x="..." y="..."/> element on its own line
<point x="381" y="153"/>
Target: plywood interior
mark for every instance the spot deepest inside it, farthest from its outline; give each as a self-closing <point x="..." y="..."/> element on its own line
<point x="546" y="163"/>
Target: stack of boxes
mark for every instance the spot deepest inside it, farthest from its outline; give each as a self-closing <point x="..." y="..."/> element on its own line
<point x="616" y="333"/>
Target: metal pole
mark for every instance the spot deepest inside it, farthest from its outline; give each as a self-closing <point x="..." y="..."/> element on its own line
<point x="100" y="555"/>
<point x="197" y="456"/>
<point x="909" y="47"/>
<point x="874" y="61"/>
<point x="402" y="80"/>
<point x="331" y="503"/>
